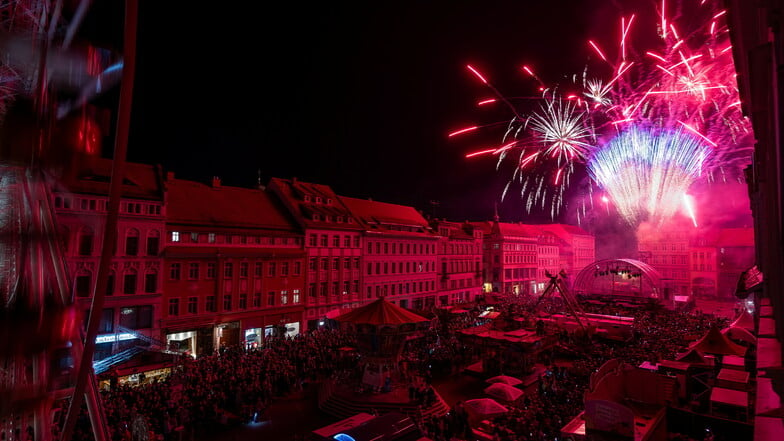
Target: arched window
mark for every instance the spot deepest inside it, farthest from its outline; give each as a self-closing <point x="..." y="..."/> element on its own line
<point x="153" y="242"/>
<point x="83" y="283"/>
<point x="132" y="242"/>
<point x="86" y="242"/>
<point x="151" y="282"/>
<point x="111" y="280"/>
<point x="129" y="282"/>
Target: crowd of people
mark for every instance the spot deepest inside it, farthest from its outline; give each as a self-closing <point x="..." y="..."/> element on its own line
<point x="239" y="384"/>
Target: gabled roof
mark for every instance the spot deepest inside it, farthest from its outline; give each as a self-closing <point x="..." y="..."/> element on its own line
<point x="564" y="231"/>
<point x="141" y="181"/>
<point x="517" y="230"/>
<point x="301" y="199"/>
<point x="381" y="215"/>
<point x="194" y="203"/>
<point x="735" y="237"/>
<point x="380" y="312"/>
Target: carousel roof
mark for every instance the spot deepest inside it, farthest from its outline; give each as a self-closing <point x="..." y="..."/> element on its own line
<point x="744" y="320"/>
<point x="380" y="312"/>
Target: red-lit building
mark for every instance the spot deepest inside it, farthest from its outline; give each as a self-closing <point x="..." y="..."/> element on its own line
<point x="234" y="267"/>
<point x="332" y="242"/>
<point x="133" y="297"/>
<point x="548" y="254"/>
<point x="578" y="247"/>
<point x="459" y="261"/>
<point x="510" y="259"/>
<point x="399" y="256"/>
<point x="695" y="261"/>
<point x="735" y="251"/>
<point x="667" y="250"/>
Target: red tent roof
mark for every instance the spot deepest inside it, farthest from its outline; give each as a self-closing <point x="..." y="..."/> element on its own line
<point x="380" y="312"/>
<point x="745" y="320"/>
<point x="714" y="342"/>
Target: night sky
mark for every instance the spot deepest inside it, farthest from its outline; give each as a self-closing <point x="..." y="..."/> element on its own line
<point x="357" y="96"/>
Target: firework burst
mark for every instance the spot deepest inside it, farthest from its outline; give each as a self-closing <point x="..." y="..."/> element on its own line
<point x="662" y="119"/>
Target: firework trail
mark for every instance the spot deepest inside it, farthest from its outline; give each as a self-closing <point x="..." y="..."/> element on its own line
<point x="662" y="119"/>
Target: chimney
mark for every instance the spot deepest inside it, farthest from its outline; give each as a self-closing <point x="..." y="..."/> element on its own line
<point x="170" y="176"/>
<point x="216" y="182"/>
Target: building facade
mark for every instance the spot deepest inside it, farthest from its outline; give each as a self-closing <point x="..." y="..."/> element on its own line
<point x="458" y="261"/>
<point x="333" y="241"/>
<point x="132" y="305"/>
<point x="234" y="267"/>
<point x="399" y="253"/>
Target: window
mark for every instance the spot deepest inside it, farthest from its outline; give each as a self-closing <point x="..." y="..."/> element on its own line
<point x="227" y="302"/>
<point x="83" y="285"/>
<point x="211" y="237"/>
<point x="211" y="270"/>
<point x="325" y="264"/>
<point x="335" y="288"/>
<point x="295" y="296"/>
<point x="244" y="269"/>
<point x="257" y="270"/>
<point x="324" y="240"/>
<point x="174" y="306"/>
<point x="336" y="263"/>
<point x="323" y="289"/>
<point x="174" y="271"/>
<point x="243" y="301"/>
<point x="370" y="248"/>
<point x="110" y="284"/>
<point x="195" y="237"/>
<point x="193" y="305"/>
<point x="347" y="241"/>
<point x="346" y="287"/>
<point x="370" y="268"/>
<point x="313" y="240"/>
<point x="175" y="236"/>
<point x="129" y="282"/>
<point x="335" y="241"/>
<point x="356" y="240"/>
<point x="211" y="306"/>
<point x="228" y="270"/>
<point x="153" y="243"/>
<point x="271" y="269"/>
<point x="284" y="297"/>
<point x="271" y="298"/>
<point x="193" y="271"/>
<point x="312" y="290"/>
<point x="150" y="282"/>
<point x="257" y="300"/>
<point x="86" y="242"/>
<point x="132" y="243"/>
<point x="297" y="268"/>
<point x="347" y="263"/>
<point x="284" y="269"/>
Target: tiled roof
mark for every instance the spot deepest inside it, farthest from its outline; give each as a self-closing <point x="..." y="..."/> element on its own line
<point x="195" y="203"/>
<point x="519" y="230"/>
<point x="375" y="213"/>
<point x="293" y="191"/>
<point x="94" y="176"/>
<point x="564" y="231"/>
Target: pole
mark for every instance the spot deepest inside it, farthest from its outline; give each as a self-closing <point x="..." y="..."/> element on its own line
<point x="110" y="230"/>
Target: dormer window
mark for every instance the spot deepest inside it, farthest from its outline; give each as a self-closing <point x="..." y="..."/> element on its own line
<point x="339" y="219"/>
<point x="350" y="220"/>
<point x="329" y="201"/>
<point x="328" y="218"/>
<point x="316" y="217"/>
<point x="307" y="198"/>
<point x="318" y="199"/>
